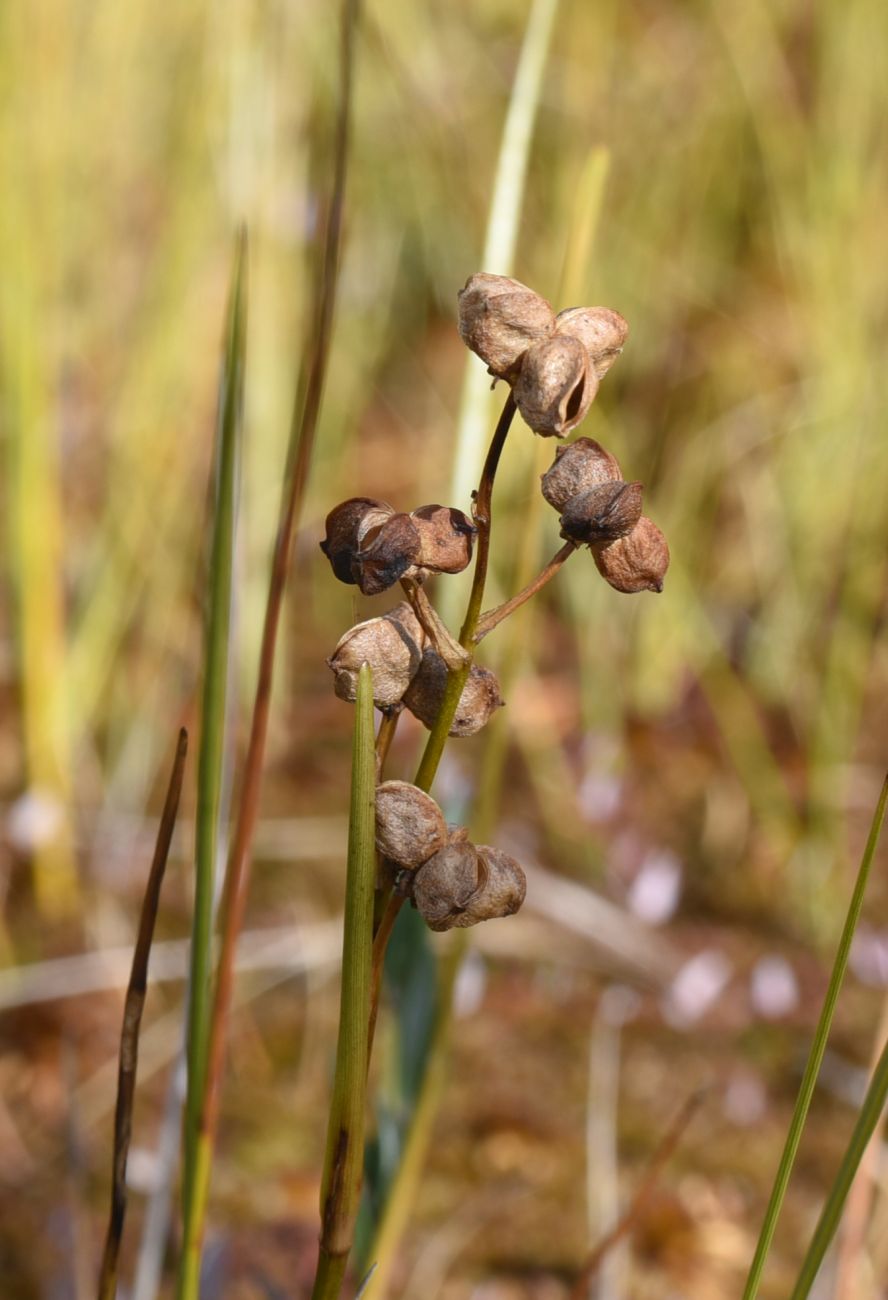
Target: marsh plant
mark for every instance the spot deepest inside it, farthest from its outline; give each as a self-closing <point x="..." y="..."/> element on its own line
<point x="401" y="848"/>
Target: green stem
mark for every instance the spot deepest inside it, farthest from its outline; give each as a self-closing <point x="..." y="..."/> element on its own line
<point x="818" y="1047"/>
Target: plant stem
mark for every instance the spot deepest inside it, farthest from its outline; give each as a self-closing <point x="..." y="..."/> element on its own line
<point x="343" y="1167"/>
<point x="384" y="737"/>
<point x="493" y="617"/>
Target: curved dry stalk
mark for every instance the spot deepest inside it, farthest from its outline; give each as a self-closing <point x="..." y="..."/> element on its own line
<point x="493" y="617"/>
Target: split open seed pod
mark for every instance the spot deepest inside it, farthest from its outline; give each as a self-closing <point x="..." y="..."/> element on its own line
<point x="601" y="330"/>
<point x="603" y="513"/>
<point x="500" y="318"/>
<point x="346" y="526"/>
<point x="636" y="562"/>
<point x="410" y="827"/>
<point x="446" y="536"/>
<point x="479" y="700"/>
<point x="391" y="645"/>
<point x="464" y="884"/>
<point x="556" y="386"/>
<point x="578" y="466"/>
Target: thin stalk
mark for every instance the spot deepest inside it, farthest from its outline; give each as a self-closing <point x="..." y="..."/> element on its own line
<point x="384" y="737"/>
<point x="867" y="1120"/>
<point x="302" y="437"/>
<point x="493" y="617"/>
<point x="215" y="684"/>
<point x="343" y="1166"/>
<point x="132" y="1018"/>
<point x="818" y="1047"/>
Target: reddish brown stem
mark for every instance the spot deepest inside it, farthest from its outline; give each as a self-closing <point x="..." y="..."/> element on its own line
<point x="493" y="617"/>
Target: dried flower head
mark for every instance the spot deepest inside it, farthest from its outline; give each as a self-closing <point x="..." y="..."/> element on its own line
<point x="602" y="513"/>
<point x="391" y="645"/>
<point x="479" y="700"/>
<point x="601" y="331"/>
<point x="578" y="466"/>
<point x="462" y="885"/>
<point x="445" y="539"/>
<point x="499" y="319"/>
<point x="410" y="827"/>
<point x="636" y="562"/>
<point x="555" y="387"/>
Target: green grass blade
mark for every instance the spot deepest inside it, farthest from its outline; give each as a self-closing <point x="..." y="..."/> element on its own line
<point x="344" y="1160"/>
<point x="812" y="1068"/>
<point x="213" y="710"/>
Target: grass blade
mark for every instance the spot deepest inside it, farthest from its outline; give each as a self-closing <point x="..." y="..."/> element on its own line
<point x="344" y="1160"/>
<point x="215" y="683"/>
<point x="132" y="1019"/>
<point x="815" y="1057"/>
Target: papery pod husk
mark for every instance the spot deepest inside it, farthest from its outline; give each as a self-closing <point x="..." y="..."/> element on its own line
<point x="479" y="700"/>
<point x="385" y="554"/>
<point x="464" y="884"/>
<point x="345" y="525"/>
<point x="446" y="536"/>
<point x="500" y="318"/>
<point x="603" y="513"/>
<point x="392" y="645"/>
<point x="578" y="466"/>
<point x="636" y="562"/>
<point x="410" y="827"/>
<point x="555" y="387"/>
<point x="601" y="330"/>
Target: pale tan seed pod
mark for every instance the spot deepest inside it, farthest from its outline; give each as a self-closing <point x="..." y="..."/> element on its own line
<point x="578" y="466"/>
<point x="603" y="513"/>
<point x="410" y="827"/>
<point x="479" y="700"/>
<point x="391" y="645"/>
<point x="385" y="553"/>
<point x="555" y="387"/>
<point x="601" y="331"/>
<point x="462" y="885"/>
<point x="346" y="526"/>
<point x="636" y="562"/>
<point x="446" y="536"/>
<point x="500" y="318"/>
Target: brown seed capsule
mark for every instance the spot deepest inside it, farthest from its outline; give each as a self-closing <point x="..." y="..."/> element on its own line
<point x="462" y="885"/>
<point x="601" y="331"/>
<point x="636" y="562"/>
<point x="410" y="827"/>
<point x="346" y="525"/>
<point x="445" y="538"/>
<point x="385" y="553"/>
<point x="555" y="387"/>
<point x="578" y="466"/>
<point x="479" y="700"/>
<point x="603" y="513"/>
<point x="500" y="318"/>
<point x="391" y="645"/>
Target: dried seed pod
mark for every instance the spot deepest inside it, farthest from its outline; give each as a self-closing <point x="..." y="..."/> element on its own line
<point x="462" y="885"/>
<point x="601" y="331"/>
<point x="500" y="318"/>
<point x="445" y="538"/>
<point x="578" y="466"/>
<point x="555" y="387"/>
<point x="346" y="525"/>
<point x="385" y="554"/>
<point x="603" y="513"/>
<point x="410" y="827"/>
<point x="391" y="645"/>
<point x="479" y="700"/>
<point x="636" y="562"/>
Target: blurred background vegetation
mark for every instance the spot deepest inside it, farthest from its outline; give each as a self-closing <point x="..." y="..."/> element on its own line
<point x="706" y="760"/>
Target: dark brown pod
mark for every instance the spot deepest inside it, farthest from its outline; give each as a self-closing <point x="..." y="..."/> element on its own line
<point x="462" y="885"/>
<point x="385" y="554"/>
<point x="410" y="827"/>
<point x="479" y="700"/>
<point x="555" y="387"/>
<point x="500" y="318"/>
<point x="345" y="526"/>
<point x="391" y="645"/>
<point x="601" y="331"/>
<point x="578" y="466"/>
<point x="636" y="562"/>
<point x="603" y="513"/>
<point x="446" y="536"/>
